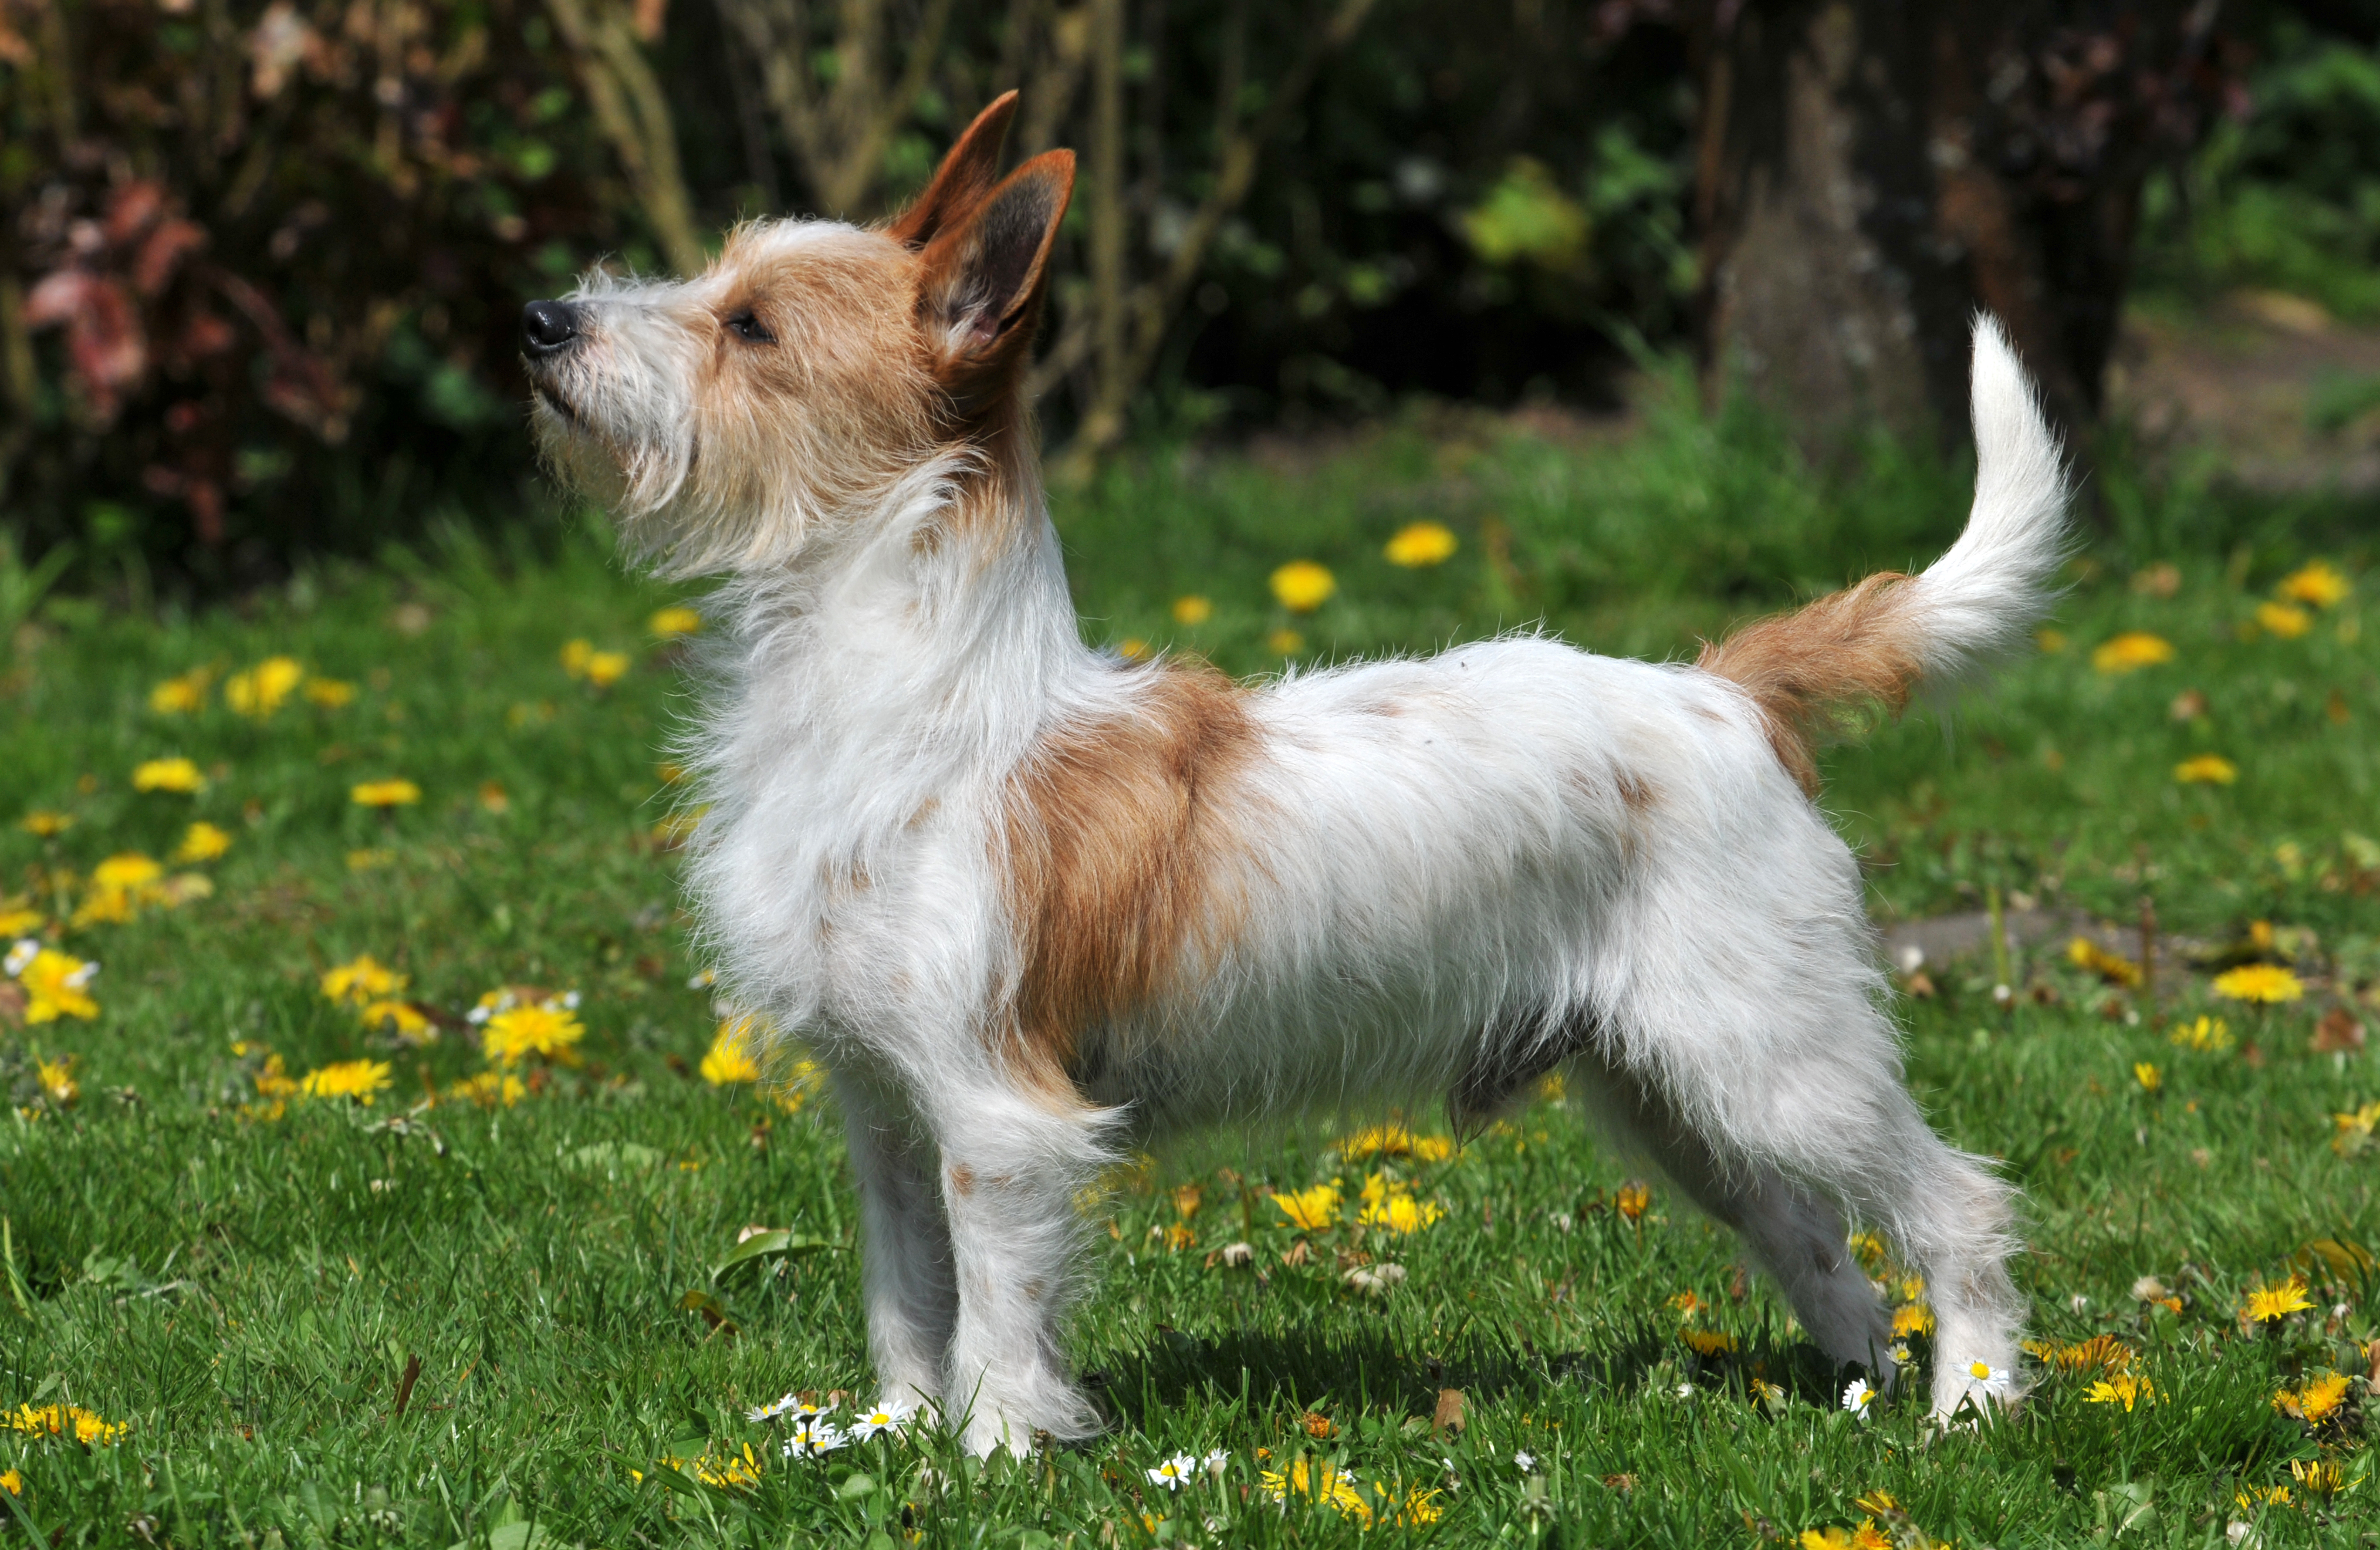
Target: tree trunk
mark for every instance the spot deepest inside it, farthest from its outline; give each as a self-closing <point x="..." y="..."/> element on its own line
<point x="1871" y="173"/>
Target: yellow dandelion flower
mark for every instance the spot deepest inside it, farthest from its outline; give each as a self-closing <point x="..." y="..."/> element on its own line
<point x="574" y="656"/>
<point x="2267" y="983"/>
<point x="1310" y="1210"/>
<point x="1867" y="1536"/>
<point x="1912" y="1318"/>
<point x="2131" y="651"/>
<point x="129" y="870"/>
<point x="2148" y="1076"/>
<point x="347" y="1078"/>
<point x="2206" y="769"/>
<point x="201" y="842"/>
<point x="2315" y="1402"/>
<point x="182" y="695"/>
<point x="2084" y="953"/>
<point x="1395" y="1140"/>
<point x="671" y="622"/>
<point x="47" y="822"/>
<point x="2285" y="619"/>
<point x="261" y="689"/>
<point x="361" y="980"/>
<point x="730" y="1058"/>
<point x="494" y="798"/>
<point x="489" y="1089"/>
<point x="12" y="1482"/>
<point x="1284" y="642"/>
<point x="1322" y="1482"/>
<point x="607" y="668"/>
<point x="1420" y="543"/>
<point x="168" y="775"/>
<point x="2318" y="583"/>
<point x="2272" y="1304"/>
<point x="2127" y="1389"/>
<point x="57" y="985"/>
<point x="1131" y="648"/>
<point x="1708" y="1342"/>
<point x="1632" y="1200"/>
<point x="2207" y="1035"/>
<point x="2050" y="641"/>
<point x="385" y="793"/>
<point x="2355" y="1130"/>
<point x="57" y="1079"/>
<point x="1303" y="586"/>
<point x="549" y="1030"/>
<point x="1401" y="1213"/>
<point x="63" y="1420"/>
<point x="2254" y="1496"/>
<point x="1193" y="610"/>
<point x="401" y="1019"/>
<point x="2321" y="1477"/>
<point x="329" y="693"/>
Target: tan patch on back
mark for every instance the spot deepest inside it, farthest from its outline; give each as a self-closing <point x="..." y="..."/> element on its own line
<point x="1117" y="831"/>
<point x="1854" y="646"/>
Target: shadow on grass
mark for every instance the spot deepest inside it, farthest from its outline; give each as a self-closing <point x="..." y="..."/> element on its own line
<point x="1370" y="1373"/>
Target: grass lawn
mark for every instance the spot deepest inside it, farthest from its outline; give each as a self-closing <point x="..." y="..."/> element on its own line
<point x="498" y="1317"/>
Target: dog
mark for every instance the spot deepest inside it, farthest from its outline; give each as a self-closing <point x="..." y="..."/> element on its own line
<point x="1031" y="905"/>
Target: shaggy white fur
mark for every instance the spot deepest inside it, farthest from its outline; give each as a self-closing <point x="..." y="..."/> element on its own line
<point x="1408" y="880"/>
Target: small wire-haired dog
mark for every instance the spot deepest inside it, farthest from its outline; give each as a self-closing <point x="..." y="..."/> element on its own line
<point x="1032" y="906"/>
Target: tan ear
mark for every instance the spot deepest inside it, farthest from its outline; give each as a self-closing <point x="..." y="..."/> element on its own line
<point x="984" y="280"/>
<point x="966" y="176"/>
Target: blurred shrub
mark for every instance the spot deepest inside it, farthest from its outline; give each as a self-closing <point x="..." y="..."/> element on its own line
<point x="259" y="266"/>
<point x="2286" y="194"/>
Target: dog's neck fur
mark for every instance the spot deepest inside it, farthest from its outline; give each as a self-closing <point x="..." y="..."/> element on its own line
<point x="886" y="684"/>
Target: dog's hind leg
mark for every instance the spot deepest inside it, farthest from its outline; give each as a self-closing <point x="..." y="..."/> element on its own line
<point x="906" y="1271"/>
<point x="1014" y="1163"/>
<point x="1793" y="1235"/>
<point x="1810" y="1124"/>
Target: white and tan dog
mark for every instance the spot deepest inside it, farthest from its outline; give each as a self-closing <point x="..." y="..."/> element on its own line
<point x="1032" y="906"/>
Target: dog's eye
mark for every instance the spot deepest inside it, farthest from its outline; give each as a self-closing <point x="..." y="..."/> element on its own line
<point x="749" y="326"/>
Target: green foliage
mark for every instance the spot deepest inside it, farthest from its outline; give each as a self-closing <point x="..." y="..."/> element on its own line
<point x="2288" y="197"/>
<point x="567" y="1278"/>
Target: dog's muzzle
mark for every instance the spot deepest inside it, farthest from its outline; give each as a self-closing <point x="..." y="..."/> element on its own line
<point x="547" y="328"/>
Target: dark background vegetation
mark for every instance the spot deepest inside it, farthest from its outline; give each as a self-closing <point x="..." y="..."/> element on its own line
<point x="261" y="263"/>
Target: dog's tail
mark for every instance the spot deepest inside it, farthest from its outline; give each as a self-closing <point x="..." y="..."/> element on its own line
<point x="1879" y="640"/>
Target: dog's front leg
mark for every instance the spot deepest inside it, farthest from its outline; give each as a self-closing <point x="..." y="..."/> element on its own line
<point x="1013" y="1164"/>
<point x="906" y="1268"/>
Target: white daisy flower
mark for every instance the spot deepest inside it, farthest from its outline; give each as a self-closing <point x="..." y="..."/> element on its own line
<point x="703" y="981"/>
<point x="812" y="1438"/>
<point x="24" y="952"/>
<point x="771" y="1410"/>
<point x="1216" y="1460"/>
<point x="569" y="1001"/>
<point x="1175" y="1473"/>
<point x="1987" y="1374"/>
<point x="1858" y="1395"/>
<point x="1899" y="1354"/>
<point x="883" y="1419"/>
<point x="82" y="977"/>
<point x="1524" y="1462"/>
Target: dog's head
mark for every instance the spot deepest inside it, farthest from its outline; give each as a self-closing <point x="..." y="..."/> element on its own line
<point x="729" y="418"/>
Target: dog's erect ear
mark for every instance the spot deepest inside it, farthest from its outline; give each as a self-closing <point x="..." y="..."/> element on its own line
<point x="984" y="280"/>
<point x="966" y="176"/>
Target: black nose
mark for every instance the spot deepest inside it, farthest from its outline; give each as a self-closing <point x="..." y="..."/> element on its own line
<point x="548" y="327"/>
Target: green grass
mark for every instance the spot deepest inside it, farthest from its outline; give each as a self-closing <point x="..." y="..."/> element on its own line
<point x="244" y="1293"/>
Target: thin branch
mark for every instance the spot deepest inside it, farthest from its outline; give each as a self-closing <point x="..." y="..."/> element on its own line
<point x="633" y="115"/>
